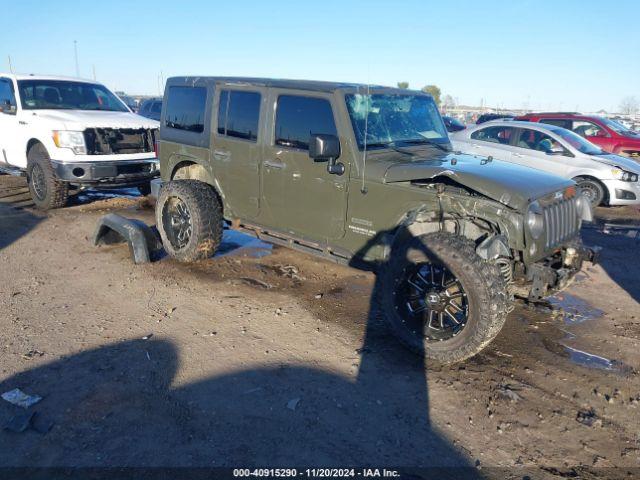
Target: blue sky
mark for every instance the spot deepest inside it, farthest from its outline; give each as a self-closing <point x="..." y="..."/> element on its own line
<point x="544" y="54"/>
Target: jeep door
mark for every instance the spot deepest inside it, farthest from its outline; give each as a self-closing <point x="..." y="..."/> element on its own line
<point x="299" y="196"/>
<point x="236" y="147"/>
<point x="492" y="141"/>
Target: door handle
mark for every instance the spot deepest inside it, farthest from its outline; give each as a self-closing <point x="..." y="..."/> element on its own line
<point x="274" y="164"/>
<point x="518" y="155"/>
<point x="475" y="146"/>
<point x="221" y="154"/>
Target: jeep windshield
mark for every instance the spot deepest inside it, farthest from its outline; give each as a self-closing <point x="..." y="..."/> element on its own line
<point x="67" y="95"/>
<point x="393" y="120"/>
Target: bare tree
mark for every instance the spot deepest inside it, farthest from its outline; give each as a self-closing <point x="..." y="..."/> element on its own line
<point x="629" y="105"/>
<point x="404" y="85"/>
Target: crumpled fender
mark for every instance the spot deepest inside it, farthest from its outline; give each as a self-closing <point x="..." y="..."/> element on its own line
<point x="144" y="242"/>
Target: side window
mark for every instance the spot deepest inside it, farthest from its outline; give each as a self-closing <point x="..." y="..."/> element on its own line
<point x="186" y="108"/>
<point x="156" y="107"/>
<point x="500" y="135"/>
<point x="239" y="114"/>
<point x="299" y="117"/>
<point x="558" y="122"/>
<point x="535" y="140"/>
<point x="6" y="92"/>
<point x="588" y="129"/>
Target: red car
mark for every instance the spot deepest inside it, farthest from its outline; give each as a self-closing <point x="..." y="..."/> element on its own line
<point x="607" y="134"/>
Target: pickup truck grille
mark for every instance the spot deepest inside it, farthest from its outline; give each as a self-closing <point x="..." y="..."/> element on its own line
<point x="112" y="141"/>
<point x="561" y="221"/>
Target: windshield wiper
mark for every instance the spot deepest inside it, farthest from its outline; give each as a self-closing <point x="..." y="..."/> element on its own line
<point x="426" y="141"/>
<point x="392" y="145"/>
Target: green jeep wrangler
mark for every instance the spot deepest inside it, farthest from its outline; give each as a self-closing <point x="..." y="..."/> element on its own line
<point x="365" y="175"/>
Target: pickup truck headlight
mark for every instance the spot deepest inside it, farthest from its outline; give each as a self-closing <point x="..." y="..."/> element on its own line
<point x="534" y="220"/>
<point x="623" y="175"/>
<point x="70" y="139"/>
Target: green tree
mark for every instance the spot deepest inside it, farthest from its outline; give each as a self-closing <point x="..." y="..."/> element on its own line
<point x="404" y="85"/>
<point x="434" y="91"/>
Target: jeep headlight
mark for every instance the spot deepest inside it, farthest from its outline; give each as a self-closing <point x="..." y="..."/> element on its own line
<point x="623" y="175"/>
<point x="70" y="139"/>
<point x="534" y="220"/>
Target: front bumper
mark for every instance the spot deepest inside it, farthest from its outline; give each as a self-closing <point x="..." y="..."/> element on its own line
<point x="108" y="174"/>
<point x="623" y="193"/>
<point x="556" y="273"/>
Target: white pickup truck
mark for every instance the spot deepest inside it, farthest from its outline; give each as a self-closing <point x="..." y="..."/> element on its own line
<point x="70" y="133"/>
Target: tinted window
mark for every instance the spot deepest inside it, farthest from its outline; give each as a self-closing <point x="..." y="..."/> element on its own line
<point x="6" y="92"/>
<point x="299" y="117"/>
<point x="185" y="108"/>
<point x="535" y="140"/>
<point x="500" y="135"/>
<point x="239" y="114"/>
<point x="156" y="107"/>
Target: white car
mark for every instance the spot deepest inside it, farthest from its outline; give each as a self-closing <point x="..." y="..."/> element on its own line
<point x="601" y="176"/>
<point x="67" y="132"/>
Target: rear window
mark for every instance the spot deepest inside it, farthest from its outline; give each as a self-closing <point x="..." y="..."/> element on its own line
<point x="299" y="117"/>
<point x="239" y="114"/>
<point x="186" y="108"/>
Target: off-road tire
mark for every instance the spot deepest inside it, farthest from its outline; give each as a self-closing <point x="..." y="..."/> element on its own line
<point x="54" y="192"/>
<point x="205" y="211"/>
<point x="595" y="191"/>
<point x="486" y="289"/>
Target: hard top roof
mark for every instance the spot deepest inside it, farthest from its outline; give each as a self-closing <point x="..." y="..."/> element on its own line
<point x="309" y="85"/>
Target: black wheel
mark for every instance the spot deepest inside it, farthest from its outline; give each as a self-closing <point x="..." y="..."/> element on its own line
<point x="144" y="189"/>
<point x="592" y="189"/>
<point x="440" y="298"/>
<point x="47" y="191"/>
<point x="189" y="219"/>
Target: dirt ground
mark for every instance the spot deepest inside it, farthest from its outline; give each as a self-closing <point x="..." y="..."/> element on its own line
<point x="268" y="357"/>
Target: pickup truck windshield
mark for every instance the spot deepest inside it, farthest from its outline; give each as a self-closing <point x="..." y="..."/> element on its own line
<point x="66" y="95"/>
<point x="392" y="120"/>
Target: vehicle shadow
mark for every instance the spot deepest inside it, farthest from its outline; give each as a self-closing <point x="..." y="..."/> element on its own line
<point x="619" y="258"/>
<point x="15" y="223"/>
<point x="126" y="405"/>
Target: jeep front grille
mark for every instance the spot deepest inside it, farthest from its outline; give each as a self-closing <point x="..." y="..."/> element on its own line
<point x="561" y="221"/>
<point x="110" y="141"/>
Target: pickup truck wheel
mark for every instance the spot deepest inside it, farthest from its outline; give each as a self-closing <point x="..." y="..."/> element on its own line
<point x="440" y="298"/>
<point x="47" y="191"/>
<point x="189" y="219"/>
<point x="592" y="189"/>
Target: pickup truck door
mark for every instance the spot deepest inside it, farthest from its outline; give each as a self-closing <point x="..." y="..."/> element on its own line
<point x="9" y="150"/>
<point x="299" y="196"/>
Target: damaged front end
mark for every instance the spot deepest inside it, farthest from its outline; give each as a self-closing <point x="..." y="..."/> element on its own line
<point x="117" y="141"/>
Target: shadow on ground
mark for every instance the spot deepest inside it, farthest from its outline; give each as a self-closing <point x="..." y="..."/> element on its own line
<point x="123" y="405"/>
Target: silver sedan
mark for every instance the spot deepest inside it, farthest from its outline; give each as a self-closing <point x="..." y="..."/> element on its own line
<point x="603" y="177"/>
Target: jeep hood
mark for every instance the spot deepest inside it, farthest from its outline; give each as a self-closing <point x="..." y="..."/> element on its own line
<point x="81" y="119"/>
<point x="512" y="185"/>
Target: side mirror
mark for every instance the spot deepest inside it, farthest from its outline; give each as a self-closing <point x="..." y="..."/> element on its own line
<point x="8" y="108"/>
<point x="326" y="148"/>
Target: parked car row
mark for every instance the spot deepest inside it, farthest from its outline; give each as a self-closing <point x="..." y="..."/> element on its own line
<point x="600" y="176"/>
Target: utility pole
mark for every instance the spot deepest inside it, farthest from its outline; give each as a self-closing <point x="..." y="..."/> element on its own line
<point x="94" y="72"/>
<point x="10" y="66"/>
<point x="75" y="50"/>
